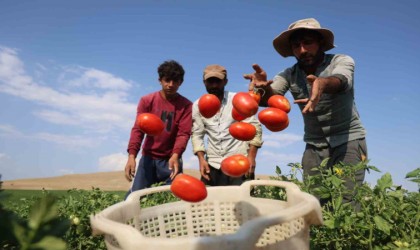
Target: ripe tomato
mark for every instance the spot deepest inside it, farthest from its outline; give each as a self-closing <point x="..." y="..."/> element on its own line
<point x="236" y="116"/>
<point x="242" y="131"/>
<point x="273" y="118"/>
<point x="150" y="124"/>
<point x="188" y="188"/>
<point x="279" y="128"/>
<point x="245" y="104"/>
<point x="235" y="165"/>
<point x="255" y="95"/>
<point x="208" y="105"/>
<point x="280" y="102"/>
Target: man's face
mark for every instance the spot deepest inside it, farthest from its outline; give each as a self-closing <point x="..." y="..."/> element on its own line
<point x="215" y="86"/>
<point x="307" y="49"/>
<point x="169" y="86"/>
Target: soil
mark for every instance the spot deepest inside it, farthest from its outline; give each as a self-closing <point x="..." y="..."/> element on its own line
<point x="107" y="181"/>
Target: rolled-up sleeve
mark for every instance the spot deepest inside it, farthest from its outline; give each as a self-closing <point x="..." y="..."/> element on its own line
<point x="343" y="70"/>
<point x="257" y="140"/>
<point x="198" y="130"/>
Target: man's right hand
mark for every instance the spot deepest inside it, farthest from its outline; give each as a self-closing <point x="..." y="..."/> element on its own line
<point x="130" y="168"/>
<point x="205" y="170"/>
<point x="258" y="78"/>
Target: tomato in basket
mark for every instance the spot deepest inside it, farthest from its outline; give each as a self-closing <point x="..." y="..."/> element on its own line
<point x="150" y="124"/>
<point x="242" y="131"/>
<point x="208" y="105"/>
<point x="235" y="165"/>
<point x="188" y="188"/>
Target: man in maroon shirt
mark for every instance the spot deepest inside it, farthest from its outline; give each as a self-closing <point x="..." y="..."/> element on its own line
<point x="161" y="155"/>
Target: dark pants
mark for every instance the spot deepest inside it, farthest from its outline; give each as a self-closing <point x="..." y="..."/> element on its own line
<point x="350" y="153"/>
<point x="218" y="178"/>
<point x="152" y="171"/>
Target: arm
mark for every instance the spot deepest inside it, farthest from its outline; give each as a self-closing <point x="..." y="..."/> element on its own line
<point x="254" y="145"/>
<point x="252" y="155"/>
<point x="197" y="139"/>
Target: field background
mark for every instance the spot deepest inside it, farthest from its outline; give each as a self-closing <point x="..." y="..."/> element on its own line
<point x="107" y="181"/>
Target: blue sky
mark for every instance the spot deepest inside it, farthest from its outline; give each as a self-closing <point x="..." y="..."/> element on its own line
<point x="72" y="72"/>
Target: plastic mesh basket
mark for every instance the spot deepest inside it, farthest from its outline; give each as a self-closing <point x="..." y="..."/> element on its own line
<point x="229" y="218"/>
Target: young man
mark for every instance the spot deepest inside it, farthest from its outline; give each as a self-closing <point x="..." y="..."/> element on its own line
<point x="161" y="154"/>
<point x="322" y="85"/>
<point x="220" y="143"/>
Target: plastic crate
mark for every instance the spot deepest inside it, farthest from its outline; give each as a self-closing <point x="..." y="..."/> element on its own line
<point x="229" y="218"/>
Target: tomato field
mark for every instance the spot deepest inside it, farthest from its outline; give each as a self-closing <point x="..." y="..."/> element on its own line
<point x="388" y="217"/>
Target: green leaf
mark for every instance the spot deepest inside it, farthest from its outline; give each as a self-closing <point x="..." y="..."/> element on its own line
<point x="382" y="224"/>
<point x="42" y="211"/>
<point x="414" y="173"/>
<point x="384" y="182"/>
<point x="336" y="181"/>
<point x="50" y="242"/>
<point x="330" y="223"/>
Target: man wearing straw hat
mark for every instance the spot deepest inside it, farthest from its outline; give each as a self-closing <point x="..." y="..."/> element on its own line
<point x="322" y="85"/>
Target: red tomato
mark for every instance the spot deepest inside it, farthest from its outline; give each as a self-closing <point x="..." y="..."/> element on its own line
<point x="236" y="116"/>
<point x="255" y="95"/>
<point x="280" y="102"/>
<point x="242" y="131"/>
<point x="235" y="165"/>
<point x="150" y="124"/>
<point x="188" y="188"/>
<point x="245" y="104"/>
<point x="208" y="105"/>
<point x="273" y="118"/>
<point x="279" y="128"/>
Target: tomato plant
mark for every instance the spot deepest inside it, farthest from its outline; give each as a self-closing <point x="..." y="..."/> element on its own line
<point x="235" y="165"/>
<point x="255" y="95"/>
<point x="245" y="104"/>
<point x="208" y="105"/>
<point x="150" y="124"/>
<point x="274" y="119"/>
<point x="242" y="131"/>
<point x="280" y="102"/>
<point x="188" y="188"/>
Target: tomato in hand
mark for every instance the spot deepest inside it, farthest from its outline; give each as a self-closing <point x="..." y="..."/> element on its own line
<point x="255" y="95"/>
<point x="208" y="105"/>
<point x="188" y="188"/>
<point x="280" y="102"/>
<point x="236" y="116"/>
<point x="245" y="104"/>
<point x="150" y="124"/>
<point x="274" y="118"/>
<point x="235" y="165"/>
<point x="242" y="131"/>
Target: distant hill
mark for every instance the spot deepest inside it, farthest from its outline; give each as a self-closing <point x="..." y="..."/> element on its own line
<point x="107" y="181"/>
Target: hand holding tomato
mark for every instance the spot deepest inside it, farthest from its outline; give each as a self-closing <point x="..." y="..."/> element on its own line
<point x="208" y="105"/>
<point x="235" y="165"/>
<point x="150" y="124"/>
<point x="188" y="188"/>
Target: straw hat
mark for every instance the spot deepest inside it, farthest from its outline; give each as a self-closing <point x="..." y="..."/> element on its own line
<point x="281" y="42"/>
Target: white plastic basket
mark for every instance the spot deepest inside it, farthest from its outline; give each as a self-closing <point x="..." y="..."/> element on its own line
<point x="229" y="218"/>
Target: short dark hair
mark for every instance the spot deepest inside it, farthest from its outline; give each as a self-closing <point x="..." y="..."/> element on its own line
<point x="171" y="70"/>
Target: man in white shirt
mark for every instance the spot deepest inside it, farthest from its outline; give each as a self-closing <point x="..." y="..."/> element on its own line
<point x="220" y="143"/>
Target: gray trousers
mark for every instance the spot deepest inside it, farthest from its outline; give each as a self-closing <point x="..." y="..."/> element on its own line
<point x="352" y="153"/>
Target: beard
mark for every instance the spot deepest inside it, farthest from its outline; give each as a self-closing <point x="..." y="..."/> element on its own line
<point x="308" y="60"/>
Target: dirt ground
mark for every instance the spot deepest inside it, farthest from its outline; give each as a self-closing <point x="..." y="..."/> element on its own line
<point x="107" y="181"/>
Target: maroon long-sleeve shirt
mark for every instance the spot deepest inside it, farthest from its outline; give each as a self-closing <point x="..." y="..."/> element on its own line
<point x="176" y="114"/>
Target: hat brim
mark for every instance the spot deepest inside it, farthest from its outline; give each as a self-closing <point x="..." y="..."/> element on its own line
<point x="214" y="74"/>
<point x="282" y="45"/>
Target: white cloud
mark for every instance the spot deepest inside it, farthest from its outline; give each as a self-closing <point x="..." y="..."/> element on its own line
<point x="279" y="140"/>
<point x="100" y="112"/>
<point x="8" y="130"/>
<point x="112" y="162"/>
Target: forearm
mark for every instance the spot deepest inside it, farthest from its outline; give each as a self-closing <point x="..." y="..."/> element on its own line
<point x="330" y="85"/>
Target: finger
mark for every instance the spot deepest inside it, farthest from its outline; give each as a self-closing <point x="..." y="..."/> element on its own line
<point x="305" y="100"/>
<point x="311" y="78"/>
<point x="248" y="76"/>
<point x="257" y="68"/>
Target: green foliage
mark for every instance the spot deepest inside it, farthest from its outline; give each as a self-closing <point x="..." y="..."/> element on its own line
<point x="388" y="217"/>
